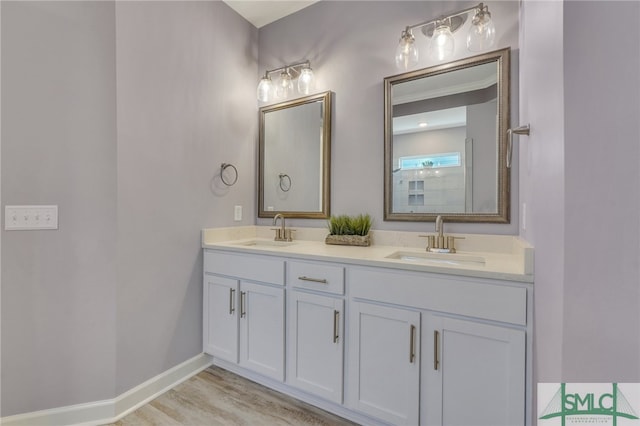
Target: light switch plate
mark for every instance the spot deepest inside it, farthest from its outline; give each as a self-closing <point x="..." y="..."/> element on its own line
<point x="237" y="213"/>
<point x="24" y="218"/>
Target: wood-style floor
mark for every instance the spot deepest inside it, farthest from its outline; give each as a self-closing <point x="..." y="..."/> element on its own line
<point x="218" y="397"/>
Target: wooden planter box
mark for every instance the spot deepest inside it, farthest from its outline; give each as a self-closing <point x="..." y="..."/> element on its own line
<point x="348" y="240"/>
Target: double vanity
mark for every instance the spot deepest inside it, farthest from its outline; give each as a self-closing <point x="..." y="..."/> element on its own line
<point x="392" y="333"/>
<point x="386" y="334"/>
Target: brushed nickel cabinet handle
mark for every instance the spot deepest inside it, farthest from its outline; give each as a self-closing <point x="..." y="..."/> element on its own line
<point x="412" y="343"/>
<point x="315" y="280"/>
<point x="232" y="294"/>
<point x="243" y="296"/>
<point x="336" y="323"/>
<point x="436" y="342"/>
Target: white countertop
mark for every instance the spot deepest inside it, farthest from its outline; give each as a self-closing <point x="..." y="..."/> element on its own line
<point x="505" y="257"/>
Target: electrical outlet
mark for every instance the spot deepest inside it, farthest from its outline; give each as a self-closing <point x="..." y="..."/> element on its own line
<point x="237" y="213"/>
<point x="524" y="216"/>
<point x="23" y="218"/>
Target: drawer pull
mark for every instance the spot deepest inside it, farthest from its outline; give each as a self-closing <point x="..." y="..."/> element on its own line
<point x="412" y="343"/>
<point x="336" y="323"/>
<point x="314" y="280"/>
<point x="436" y="341"/>
<point x="232" y="294"/>
<point x="243" y="296"/>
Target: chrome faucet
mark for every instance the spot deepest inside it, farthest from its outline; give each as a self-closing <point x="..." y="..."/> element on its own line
<point x="282" y="233"/>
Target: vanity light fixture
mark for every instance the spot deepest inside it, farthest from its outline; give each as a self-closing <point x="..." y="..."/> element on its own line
<point x="481" y="36"/>
<point x="284" y="86"/>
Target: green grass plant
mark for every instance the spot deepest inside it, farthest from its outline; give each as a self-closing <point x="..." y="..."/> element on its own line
<point x="349" y="225"/>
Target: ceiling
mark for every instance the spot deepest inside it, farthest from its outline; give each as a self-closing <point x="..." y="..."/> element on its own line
<point x="263" y="12"/>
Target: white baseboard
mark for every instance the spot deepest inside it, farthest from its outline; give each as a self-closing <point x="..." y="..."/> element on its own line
<point x="112" y="410"/>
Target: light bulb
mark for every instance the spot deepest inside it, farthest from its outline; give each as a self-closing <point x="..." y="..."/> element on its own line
<point x="265" y="89"/>
<point x="442" y="44"/>
<point x="306" y="81"/>
<point x="406" y="52"/>
<point x="284" y="86"/>
<point x="482" y="32"/>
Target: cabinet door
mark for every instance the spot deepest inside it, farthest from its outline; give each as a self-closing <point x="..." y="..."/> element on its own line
<point x="220" y="327"/>
<point x="474" y="373"/>
<point x="315" y="349"/>
<point x="384" y="372"/>
<point x="262" y="329"/>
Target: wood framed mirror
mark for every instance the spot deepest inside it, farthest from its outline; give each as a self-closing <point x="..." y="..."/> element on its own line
<point x="445" y="137"/>
<point x="295" y="158"/>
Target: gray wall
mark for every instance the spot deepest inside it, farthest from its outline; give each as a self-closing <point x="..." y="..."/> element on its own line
<point x="184" y="107"/>
<point x="602" y="193"/>
<point x="542" y="175"/>
<point x="59" y="147"/>
<point x="351" y="46"/>
<point x="482" y="128"/>
<point x="581" y="183"/>
<point x="121" y="114"/>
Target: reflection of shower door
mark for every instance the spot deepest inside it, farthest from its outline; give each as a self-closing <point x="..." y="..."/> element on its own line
<point x="468" y="175"/>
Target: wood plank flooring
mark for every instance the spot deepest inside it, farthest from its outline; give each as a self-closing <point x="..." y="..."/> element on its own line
<point x="218" y="397"/>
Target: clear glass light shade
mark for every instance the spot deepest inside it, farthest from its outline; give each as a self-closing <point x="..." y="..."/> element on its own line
<point x="406" y="52"/>
<point x="265" y="89"/>
<point x="285" y="85"/>
<point x="482" y="32"/>
<point x="306" y="82"/>
<point x="441" y="45"/>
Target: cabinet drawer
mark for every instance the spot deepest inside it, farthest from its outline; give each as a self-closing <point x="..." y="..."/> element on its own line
<point x="248" y="267"/>
<point x="470" y="297"/>
<point x="316" y="276"/>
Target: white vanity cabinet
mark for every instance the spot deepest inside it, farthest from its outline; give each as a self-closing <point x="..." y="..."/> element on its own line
<point x="384" y="364"/>
<point x="373" y="343"/>
<point x="470" y="369"/>
<point x="244" y="311"/>
<point x="220" y="326"/>
<point x="315" y="309"/>
<point x="475" y="374"/>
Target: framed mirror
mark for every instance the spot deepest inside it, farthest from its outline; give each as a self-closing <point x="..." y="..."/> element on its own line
<point x="445" y="137"/>
<point x="295" y="158"/>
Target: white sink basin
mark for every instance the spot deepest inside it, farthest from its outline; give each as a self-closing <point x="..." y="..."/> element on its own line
<point x="437" y="258"/>
<point x="266" y="243"/>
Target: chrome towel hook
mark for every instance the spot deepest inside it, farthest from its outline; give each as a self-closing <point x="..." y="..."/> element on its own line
<point x="522" y="130"/>
<point x="225" y="166"/>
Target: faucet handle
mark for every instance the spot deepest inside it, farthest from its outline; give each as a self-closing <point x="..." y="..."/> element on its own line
<point x="431" y="241"/>
<point x="287" y="234"/>
<point x="279" y="235"/>
<point x="451" y="243"/>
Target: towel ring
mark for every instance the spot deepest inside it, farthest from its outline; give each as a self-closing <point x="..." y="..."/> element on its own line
<point x="285" y="187"/>
<point x="225" y="166"/>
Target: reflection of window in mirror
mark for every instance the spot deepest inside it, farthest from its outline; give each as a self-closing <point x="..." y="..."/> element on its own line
<point x="423" y="131"/>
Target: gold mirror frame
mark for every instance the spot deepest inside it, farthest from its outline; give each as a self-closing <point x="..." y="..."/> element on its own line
<point x="323" y="212"/>
<point x="502" y="60"/>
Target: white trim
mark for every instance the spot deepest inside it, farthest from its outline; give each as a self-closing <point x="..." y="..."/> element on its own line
<point x="112" y="410"/>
